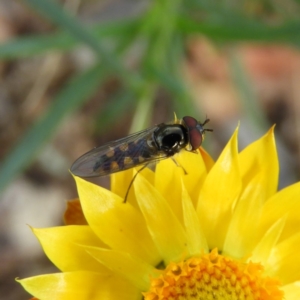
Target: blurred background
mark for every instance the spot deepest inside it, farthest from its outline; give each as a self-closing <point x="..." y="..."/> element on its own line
<point x="75" y="74"/>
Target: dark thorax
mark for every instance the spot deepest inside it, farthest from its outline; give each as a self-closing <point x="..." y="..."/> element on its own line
<point x="170" y="138"/>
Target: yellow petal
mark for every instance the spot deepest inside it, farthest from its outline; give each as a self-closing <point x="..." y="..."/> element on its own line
<point x="261" y="156"/>
<point x="209" y="162"/>
<point x="263" y="248"/>
<point x="126" y="265"/>
<point x="80" y="285"/>
<point x="67" y="254"/>
<point x="121" y="183"/>
<point x="242" y="234"/>
<point x="196" y="241"/>
<point x="284" y="260"/>
<point x="164" y="227"/>
<point x="168" y="184"/>
<point x="195" y="172"/>
<point x="292" y="291"/>
<point x="219" y="194"/>
<point x="117" y="224"/>
<point x="285" y="202"/>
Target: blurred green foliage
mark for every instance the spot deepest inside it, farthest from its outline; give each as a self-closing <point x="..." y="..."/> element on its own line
<point x="162" y="30"/>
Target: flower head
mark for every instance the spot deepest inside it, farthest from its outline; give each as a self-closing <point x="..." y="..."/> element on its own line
<point x="204" y="230"/>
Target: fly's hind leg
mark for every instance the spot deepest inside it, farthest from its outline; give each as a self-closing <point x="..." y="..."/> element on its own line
<point x="131" y="182"/>
<point x="179" y="165"/>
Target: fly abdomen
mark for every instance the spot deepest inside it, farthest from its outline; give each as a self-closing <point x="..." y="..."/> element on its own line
<point x="124" y="157"/>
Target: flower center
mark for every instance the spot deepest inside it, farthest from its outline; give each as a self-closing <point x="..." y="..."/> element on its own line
<point x="213" y="276"/>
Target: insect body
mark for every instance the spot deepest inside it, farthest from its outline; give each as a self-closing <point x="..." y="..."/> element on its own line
<point x="156" y="143"/>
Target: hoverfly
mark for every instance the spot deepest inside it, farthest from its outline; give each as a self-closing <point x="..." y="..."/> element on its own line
<point x="149" y="145"/>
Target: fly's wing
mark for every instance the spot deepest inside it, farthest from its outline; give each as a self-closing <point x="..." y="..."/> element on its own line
<point x="118" y="155"/>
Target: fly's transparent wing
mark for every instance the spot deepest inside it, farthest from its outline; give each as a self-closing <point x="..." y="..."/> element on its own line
<point x="118" y="155"/>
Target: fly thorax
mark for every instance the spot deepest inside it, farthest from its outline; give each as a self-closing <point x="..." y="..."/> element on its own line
<point x="171" y="138"/>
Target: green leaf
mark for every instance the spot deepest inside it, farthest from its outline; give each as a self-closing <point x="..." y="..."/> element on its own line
<point x="54" y="11"/>
<point x="69" y="99"/>
<point x="183" y="103"/>
<point x="116" y="106"/>
<point x="242" y="31"/>
<point x="38" y="44"/>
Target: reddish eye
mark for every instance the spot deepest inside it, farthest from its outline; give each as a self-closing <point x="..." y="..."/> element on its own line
<point x="195" y="131"/>
<point x="195" y="138"/>
<point x="190" y="122"/>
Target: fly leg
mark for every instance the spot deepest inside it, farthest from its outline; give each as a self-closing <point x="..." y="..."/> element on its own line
<point x="179" y="165"/>
<point x="131" y="182"/>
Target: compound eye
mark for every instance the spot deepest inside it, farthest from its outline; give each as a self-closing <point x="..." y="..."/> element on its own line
<point x="190" y="122"/>
<point x="195" y="137"/>
<point x="194" y="132"/>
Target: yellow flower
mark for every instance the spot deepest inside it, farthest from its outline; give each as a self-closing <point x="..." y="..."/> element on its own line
<point x="206" y="230"/>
